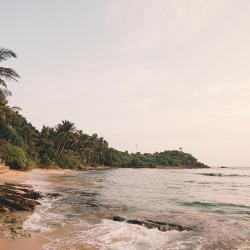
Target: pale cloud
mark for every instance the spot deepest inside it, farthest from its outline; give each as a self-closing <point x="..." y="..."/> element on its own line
<point x="142" y="24"/>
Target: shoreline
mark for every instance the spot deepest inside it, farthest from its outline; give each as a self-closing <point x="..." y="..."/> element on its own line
<point x="23" y="239"/>
<point x="12" y="233"/>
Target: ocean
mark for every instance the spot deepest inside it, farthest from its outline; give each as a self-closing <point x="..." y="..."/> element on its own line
<point x="215" y="202"/>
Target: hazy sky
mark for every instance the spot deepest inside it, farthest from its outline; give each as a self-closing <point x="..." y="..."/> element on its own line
<point x="161" y="74"/>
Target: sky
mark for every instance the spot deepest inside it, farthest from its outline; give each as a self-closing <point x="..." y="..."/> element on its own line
<point x="159" y="74"/>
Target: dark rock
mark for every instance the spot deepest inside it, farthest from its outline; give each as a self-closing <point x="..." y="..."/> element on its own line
<point x="18" y="197"/>
<point x="53" y="195"/>
<point x="18" y="185"/>
<point x="118" y="218"/>
<point x="161" y="226"/>
<point x="33" y="195"/>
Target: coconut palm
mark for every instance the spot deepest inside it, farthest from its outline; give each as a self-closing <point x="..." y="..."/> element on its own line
<point x="6" y="73"/>
<point x="46" y="146"/>
<point x="6" y="112"/>
<point x="65" y="136"/>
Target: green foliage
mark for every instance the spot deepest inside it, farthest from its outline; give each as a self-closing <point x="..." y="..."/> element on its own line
<point x="171" y="158"/>
<point x="70" y="148"/>
<point x="6" y="73"/>
<point x="69" y="161"/>
<point x="45" y="160"/>
<point x="22" y="146"/>
<point x="15" y="157"/>
<point x="45" y="146"/>
<point x="9" y="133"/>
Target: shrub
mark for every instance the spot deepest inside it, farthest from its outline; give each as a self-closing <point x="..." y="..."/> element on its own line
<point x="31" y="164"/>
<point x="69" y="161"/>
<point x="14" y="157"/>
<point x="45" y="160"/>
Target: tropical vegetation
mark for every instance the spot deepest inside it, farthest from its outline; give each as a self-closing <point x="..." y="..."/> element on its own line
<point x="22" y="146"/>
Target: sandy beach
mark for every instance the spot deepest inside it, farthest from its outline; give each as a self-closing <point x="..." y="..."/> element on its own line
<point x="24" y="240"/>
<point x="14" y="176"/>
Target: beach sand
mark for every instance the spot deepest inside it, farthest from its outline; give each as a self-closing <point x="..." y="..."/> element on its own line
<point x="34" y="242"/>
<point x="14" y="176"/>
<point x="21" y="240"/>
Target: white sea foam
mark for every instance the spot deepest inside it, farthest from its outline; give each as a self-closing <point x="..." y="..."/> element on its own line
<point x="153" y="194"/>
<point x="42" y="219"/>
<point x="122" y="236"/>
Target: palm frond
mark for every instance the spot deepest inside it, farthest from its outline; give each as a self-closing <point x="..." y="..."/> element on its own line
<point x="3" y="83"/>
<point x="6" y="53"/>
<point x="6" y="92"/>
<point x="16" y="109"/>
<point x="8" y="73"/>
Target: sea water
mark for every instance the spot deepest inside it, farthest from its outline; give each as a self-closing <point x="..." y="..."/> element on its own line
<point x="215" y="202"/>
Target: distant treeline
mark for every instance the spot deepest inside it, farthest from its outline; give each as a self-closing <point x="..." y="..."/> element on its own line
<point x="22" y="146"/>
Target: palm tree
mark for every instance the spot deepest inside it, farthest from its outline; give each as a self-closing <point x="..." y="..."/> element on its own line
<point x="6" y="73"/>
<point x="101" y="149"/>
<point x="46" y="146"/>
<point x="7" y="112"/>
<point x="65" y="136"/>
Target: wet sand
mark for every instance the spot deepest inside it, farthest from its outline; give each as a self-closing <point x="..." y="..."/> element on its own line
<point x="34" y="242"/>
<point x="11" y="235"/>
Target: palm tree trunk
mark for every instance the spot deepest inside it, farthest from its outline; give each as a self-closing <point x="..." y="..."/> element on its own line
<point x="62" y="149"/>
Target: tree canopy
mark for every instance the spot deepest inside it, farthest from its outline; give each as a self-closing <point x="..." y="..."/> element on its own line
<point x="22" y="146"/>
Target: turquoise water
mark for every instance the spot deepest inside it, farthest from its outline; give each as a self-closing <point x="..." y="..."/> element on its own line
<point x="215" y="201"/>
